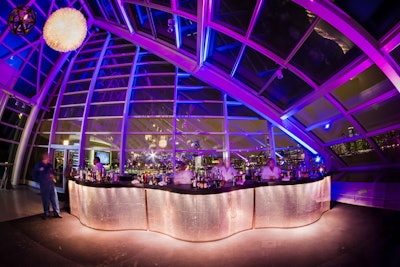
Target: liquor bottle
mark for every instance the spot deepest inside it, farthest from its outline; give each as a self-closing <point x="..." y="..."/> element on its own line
<point x="297" y="173"/>
<point x="80" y="173"/>
<point x="98" y="176"/>
<point x="198" y="181"/>
<point x="193" y="181"/>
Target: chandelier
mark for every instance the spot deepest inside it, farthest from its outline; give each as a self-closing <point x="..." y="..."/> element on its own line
<point x="21" y="20"/>
<point x="65" y="30"/>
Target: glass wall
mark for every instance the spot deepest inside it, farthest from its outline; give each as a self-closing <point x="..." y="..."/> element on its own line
<point x="143" y="113"/>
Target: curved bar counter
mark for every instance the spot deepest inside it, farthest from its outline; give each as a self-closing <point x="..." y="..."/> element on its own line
<point x="199" y="214"/>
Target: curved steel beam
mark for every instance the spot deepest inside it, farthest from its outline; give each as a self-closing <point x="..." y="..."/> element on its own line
<point x="357" y="34"/>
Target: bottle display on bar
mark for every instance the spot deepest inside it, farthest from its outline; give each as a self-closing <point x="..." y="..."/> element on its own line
<point x="294" y="166"/>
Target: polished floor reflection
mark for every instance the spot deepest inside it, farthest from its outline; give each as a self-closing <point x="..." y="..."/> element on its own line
<point x="344" y="236"/>
<point x="18" y="203"/>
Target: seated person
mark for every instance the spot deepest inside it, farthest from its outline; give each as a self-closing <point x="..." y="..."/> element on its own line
<point x="183" y="175"/>
<point x="271" y="172"/>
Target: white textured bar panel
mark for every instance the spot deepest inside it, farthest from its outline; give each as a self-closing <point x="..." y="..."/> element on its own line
<point x="73" y="189"/>
<point x="200" y="217"/>
<point x="116" y="208"/>
<point x="291" y="205"/>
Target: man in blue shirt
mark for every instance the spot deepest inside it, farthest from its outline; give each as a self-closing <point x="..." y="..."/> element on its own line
<point x="43" y="172"/>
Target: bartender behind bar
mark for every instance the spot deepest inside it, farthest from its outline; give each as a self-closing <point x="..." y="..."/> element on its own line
<point x="227" y="172"/>
<point x="270" y="172"/>
<point x="183" y="176"/>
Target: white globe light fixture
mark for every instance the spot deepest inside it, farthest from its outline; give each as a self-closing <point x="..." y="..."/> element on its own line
<point x="162" y="143"/>
<point x="65" y="30"/>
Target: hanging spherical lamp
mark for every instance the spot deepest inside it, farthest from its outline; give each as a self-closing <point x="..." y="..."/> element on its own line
<point x="65" y="30"/>
<point x="162" y="143"/>
<point x="21" y="20"/>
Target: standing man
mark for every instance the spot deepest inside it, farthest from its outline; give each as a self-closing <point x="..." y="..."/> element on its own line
<point x="98" y="168"/>
<point x="227" y="172"/>
<point x="271" y="172"/>
<point x="183" y="176"/>
<point x="44" y="173"/>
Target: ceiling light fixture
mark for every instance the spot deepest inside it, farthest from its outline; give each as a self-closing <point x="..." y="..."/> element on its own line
<point x="162" y="143"/>
<point x="171" y="24"/>
<point x="21" y="20"/>
<point x="65" y="30"/>
<point x="279" y="74"/>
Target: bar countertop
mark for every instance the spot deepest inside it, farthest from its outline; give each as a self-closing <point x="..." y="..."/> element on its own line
<point x="188" y="189"/>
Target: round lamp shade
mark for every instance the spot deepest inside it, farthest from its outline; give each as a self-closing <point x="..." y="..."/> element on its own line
<point x="162" y="143"/>
<point x="65" y="30"/>
<point x="22" y="20"/>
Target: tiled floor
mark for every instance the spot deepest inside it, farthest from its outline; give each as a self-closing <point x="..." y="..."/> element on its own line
<point x="344" y="236"/>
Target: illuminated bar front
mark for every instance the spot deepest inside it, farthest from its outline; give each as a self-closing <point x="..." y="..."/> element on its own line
<point x="199" y="215"/>
<point x="108" y="208"/>
<point x="291" y="205"/>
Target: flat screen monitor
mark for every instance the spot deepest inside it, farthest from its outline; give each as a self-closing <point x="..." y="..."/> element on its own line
<point x="104" y="156"/>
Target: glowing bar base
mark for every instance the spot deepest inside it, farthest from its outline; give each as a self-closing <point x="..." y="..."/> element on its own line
<point x="199" y="217"/>
<point x="115" y="208"/>
<point x="291" y="206"/>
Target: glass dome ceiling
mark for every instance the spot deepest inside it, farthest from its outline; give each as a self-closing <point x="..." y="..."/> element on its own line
<point x="324" y="74"/>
